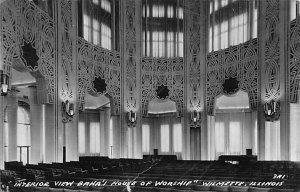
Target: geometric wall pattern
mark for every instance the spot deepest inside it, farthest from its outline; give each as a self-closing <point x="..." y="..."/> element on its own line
<point x="65" y="56"/>
<point x="272" y="51"/>
<point x="131" y="56"/>
<point x="162" y="71"/>
<point x="294" y="68"/>
<point x="240" y="62"/>
<point x="194" y="30"/>
<point x="94" y="62"/>
<point x="24" y="24"/>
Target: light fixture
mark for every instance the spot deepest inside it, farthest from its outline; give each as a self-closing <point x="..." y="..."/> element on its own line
<point x="4" y="83"/>
<point x="195" y="119"/>
<point x="131" y="119"/>
<point x="67" y="111"/>
<point x="272" y="110"/>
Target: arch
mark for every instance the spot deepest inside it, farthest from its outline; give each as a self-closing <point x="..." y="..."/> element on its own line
<point x="239" y="100"/>
<point x="235" y="125"/>
<point x="161" y="106"/>
<point x="96" y="101"/>
<point x="244" y="69"/>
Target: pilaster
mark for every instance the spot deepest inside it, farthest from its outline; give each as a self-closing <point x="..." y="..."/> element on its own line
<point x="12" y="119"/>
<point x="36" y="127"/>
<point x="284" y="26"/>
<point x="131" y="52"/>
<point x="274" y="79"/>
<point x="195" y="34"/>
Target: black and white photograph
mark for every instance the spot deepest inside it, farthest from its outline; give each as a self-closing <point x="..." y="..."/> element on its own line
<point x="149" y="95"/>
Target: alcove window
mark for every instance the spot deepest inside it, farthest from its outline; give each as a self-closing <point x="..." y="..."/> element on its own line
<point x="165" y="138"/>
<point x="95" y="137"/>
<point x="81" y="137"/>
<point x="162" y="28"/>
<point x="23" y="132"/>
<point x="177" y="138"/>
<point x="146" y="138"/>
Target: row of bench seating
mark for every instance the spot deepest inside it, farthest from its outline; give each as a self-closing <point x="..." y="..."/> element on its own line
<point x="99" y="168"/>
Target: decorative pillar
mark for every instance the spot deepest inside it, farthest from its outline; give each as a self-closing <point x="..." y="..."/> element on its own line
<point x="36" y="124"/>
<point x="66" y="86"/>
<point x="131" y="53"/>
<point x="195" y="34"/>
<point x="117" y="142"/>
<point x="71" y="139"/>
<point x="12" y="109"/>
<point x="50" y="135"/>
<point x="274" y="25"/>
<point x="284" y="26"/>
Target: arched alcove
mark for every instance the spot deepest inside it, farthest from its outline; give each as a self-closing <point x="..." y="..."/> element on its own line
<point x="239" y="100"/>
<point x="162" y="129"/>
<point x="94" y="130"/>
<point x="161" y="106"/>
<point x="235" y="125"/>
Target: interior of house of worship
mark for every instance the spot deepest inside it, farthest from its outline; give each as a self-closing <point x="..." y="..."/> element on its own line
<point x="149" y="95"/>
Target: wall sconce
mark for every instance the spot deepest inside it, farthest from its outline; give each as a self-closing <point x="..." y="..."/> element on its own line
<point x="4" y="83"/>
<point x="272" y="110"/>
<point x="131" y="119"/>
<point x="195" y="119"/>
<point x="67" y="111"/>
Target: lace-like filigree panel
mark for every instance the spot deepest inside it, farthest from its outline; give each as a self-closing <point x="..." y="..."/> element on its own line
<point x="131" y="55"/>
<point x="272" y="51"/>
<point x="162" y="71"/>
<point x="27" y="29"/>
<point x="294" y="60"/>
<point x="193" y="31"/>
<point x="236" y="62"/>
<point x="94" y="61"/>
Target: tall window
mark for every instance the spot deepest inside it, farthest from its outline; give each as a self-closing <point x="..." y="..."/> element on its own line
<point x="220" y="138"/>
<point x="81" y="137"/>
<point x="23" y="132"/>
<point x="165" y="138"/>
<point x="94" y="137"/>
<point x="232" y="22"/>
<point x="163" y="28"/>
<point x="235" y="135"/>
<point x="146" y="138"/>
<point x="177" y="138"/>
<point x="96" y="22"/>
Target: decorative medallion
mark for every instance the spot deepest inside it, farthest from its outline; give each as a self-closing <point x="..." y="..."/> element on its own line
<point x="162" y="92"/>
